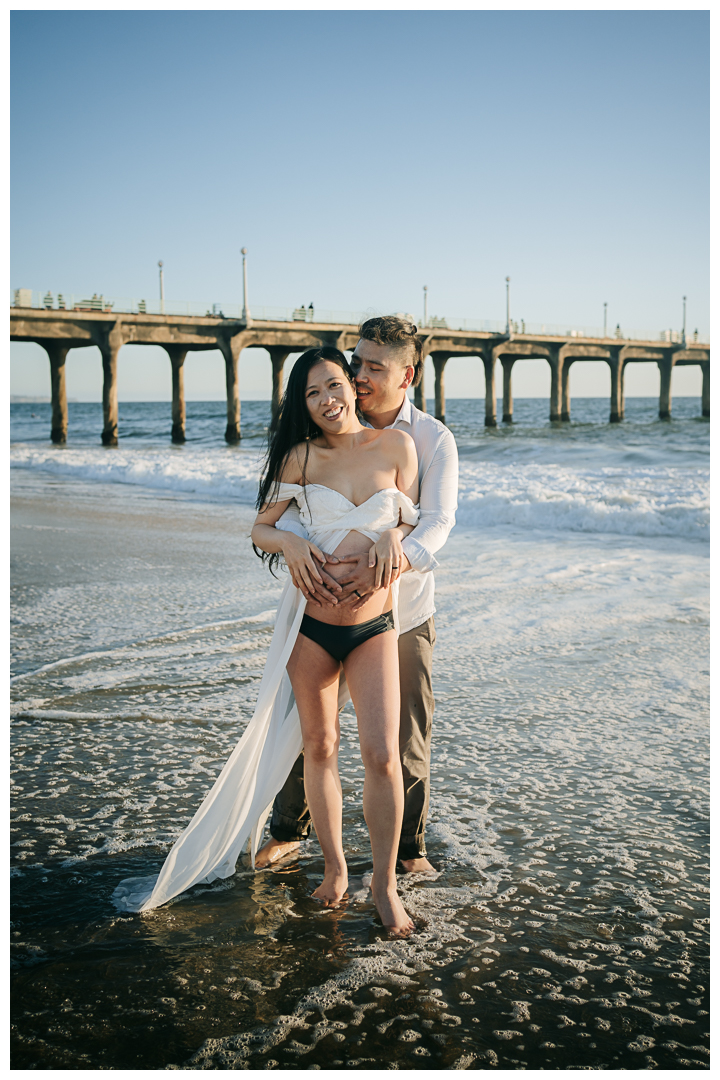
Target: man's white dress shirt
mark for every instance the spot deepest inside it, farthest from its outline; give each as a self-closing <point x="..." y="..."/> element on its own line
<point x="438" y="475"/>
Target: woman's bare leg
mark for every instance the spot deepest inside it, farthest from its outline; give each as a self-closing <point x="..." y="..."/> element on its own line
<point x="314" y="677"/>
<point x="373" y="679"/>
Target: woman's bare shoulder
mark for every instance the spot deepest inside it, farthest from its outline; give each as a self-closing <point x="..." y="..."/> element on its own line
<point x="292" y="467"/>
<point x="396" y="437"/>
<point x="399" y="442"/>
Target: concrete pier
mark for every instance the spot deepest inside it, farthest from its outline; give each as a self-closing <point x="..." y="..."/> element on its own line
<point x="177" y="354"/>
<point x="556" y="360"/>
<point x="110" y="346"/>
<point x="507" y="366"/>
<point x="109" y="435"/>
<point x="439" y="361"/>
<point x="617" y="387"/>
<point x="230" y="348"/>
<point x="489" y="360"/>
<point x="420" y="401"/>
<point x="565" y="389"/>
<point x="58" y="394"/>
<point x="60" y="331"/>
<point x="666" y="366"/>
<point x="278" y="356"/>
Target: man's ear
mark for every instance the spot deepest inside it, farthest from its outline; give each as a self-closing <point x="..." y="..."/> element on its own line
<point x="409" y="376"/>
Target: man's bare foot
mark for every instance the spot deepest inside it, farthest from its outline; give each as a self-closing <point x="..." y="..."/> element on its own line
<point x="333" y="887"/>
<point x="274" y="850"/>
<point x="417" y="866"/>
<point x="395" y="918"/>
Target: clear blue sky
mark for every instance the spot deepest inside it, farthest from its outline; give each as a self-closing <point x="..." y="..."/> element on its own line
<point x="359" y="156"/>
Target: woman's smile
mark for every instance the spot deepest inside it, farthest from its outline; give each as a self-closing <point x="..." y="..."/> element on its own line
<point x="330" y="397"/>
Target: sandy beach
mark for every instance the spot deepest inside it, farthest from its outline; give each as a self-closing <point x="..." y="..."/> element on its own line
<point x="568" y="925"/>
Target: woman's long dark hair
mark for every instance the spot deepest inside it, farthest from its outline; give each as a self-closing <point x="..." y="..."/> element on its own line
<point x="292" y="426"/>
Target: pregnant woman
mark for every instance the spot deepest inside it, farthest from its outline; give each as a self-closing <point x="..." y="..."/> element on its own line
<point x="356" y="490"/>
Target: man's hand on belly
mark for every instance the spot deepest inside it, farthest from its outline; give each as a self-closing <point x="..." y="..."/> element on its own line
<point x="355" y="576"/>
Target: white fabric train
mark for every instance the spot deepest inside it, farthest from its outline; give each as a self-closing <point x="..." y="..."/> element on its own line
<point x="237" y="806"/>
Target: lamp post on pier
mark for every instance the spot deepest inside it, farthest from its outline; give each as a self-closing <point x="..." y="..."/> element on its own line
<point x="245" y="309"/>
<point x="605" y="319"/>
<point x="162" y="288"/>
<point x="507" y="299"/>
<point x="684" y="312"/>
<point x="425" y="321"/>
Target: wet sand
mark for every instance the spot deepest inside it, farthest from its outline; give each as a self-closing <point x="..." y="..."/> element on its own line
<point x="568" y="926"/>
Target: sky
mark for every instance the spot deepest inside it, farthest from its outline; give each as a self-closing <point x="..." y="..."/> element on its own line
<point x="360" y="155"/>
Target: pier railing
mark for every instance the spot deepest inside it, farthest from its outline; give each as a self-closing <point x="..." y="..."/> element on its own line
<point x="30" y="298"/>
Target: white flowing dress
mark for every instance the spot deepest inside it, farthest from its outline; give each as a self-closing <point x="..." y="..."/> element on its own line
<point x="237" y="806"/>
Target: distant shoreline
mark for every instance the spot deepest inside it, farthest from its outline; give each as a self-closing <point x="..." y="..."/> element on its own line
<point x="23" y="399"/>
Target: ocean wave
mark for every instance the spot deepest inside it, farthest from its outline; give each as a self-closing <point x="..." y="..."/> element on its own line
<point x="632" y="501"/>
<point x="217" y="473"/>
<point x="635" y="500"/>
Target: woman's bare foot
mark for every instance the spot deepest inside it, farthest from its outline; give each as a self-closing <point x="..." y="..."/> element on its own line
<point x="417" y="866"/>
<point x="274" y="850"/>
<point x="394" y="916"/>
<point x="333" y="887"/>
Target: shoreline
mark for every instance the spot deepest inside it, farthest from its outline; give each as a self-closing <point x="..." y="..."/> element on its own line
<point x="567" y="816"/>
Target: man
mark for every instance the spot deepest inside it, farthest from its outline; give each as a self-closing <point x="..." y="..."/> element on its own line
<point x="387" y="361"/>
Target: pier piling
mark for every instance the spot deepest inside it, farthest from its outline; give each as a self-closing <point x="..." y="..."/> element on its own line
<point x="109" y="348"/>
<point x="565" y="390"/>
<point x="110" y="399"/>
<point x="177" y="354"/>
<point x="420" y="402"/>
<point x="556" y="370"/>
<point x="230" y="349"/>
<point x="666" y="366"/>
<point x="439" y="362"/>
<point x="507" y="366"/>
<point x="489" y="359"/>
<point x="705" y="387"/>
<point x="278" y="356"/>
<point x="617" y="388"/>
<point x="58" y="395"/>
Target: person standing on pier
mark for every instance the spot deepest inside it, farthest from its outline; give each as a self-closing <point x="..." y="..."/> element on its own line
<point x="386" y="362"/>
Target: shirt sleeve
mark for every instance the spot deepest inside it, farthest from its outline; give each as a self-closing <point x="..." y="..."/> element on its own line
<point x="438" y="503"/>
<point x="289" y="521"/>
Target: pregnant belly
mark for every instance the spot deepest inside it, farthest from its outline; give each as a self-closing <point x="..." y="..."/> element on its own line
<point x="354" y="544"/>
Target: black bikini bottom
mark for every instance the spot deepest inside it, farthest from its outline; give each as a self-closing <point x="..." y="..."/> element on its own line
<point x="341" y="640"/>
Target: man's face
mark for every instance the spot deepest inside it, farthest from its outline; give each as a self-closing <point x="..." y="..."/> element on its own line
<point x="381" y="376"/>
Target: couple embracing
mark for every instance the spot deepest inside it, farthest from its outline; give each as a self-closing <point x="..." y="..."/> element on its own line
<point x="358" y="492"/>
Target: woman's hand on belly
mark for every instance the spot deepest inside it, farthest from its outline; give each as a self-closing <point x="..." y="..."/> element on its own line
<point x="303" y="560"/>
<point x="387" y="556"/>
<point x="362" y="601"/>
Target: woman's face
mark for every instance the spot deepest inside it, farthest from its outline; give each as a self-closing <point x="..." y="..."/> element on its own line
<point x="330" y="397"/>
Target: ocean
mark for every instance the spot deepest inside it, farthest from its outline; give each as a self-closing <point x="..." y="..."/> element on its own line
<point x="569" y="809"/>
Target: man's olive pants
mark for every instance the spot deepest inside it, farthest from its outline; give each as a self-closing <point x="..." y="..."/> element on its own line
<point x="291" y="817"/>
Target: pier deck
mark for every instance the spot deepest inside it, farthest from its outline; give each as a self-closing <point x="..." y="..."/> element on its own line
<point x="59" y="331"/>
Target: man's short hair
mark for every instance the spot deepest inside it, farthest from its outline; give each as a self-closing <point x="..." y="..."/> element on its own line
<point x="401" y="335"/>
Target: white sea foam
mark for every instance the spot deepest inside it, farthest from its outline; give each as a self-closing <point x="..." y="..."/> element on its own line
<point x="637" y="500"/>
<point x="217" y="473"/>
